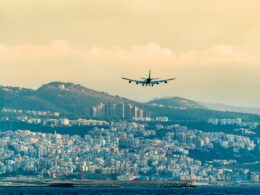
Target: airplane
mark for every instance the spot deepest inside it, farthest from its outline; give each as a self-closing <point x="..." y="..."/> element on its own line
<point x="149" y="81"/>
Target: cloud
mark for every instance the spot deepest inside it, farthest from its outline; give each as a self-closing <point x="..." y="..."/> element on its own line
<point x="18" y="53"/>
<point x="220" y="55"/>
<point x="216" y="71"/>
<point x="150" y="54"/>
<point x="154" y="54"/>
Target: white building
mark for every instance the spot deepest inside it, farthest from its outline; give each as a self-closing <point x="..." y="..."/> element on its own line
<point x="162" y="118"/>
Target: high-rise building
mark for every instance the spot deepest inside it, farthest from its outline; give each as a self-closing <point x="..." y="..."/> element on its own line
<point x="128" y="111"/>
<point x="141" y="113"/>
<point x="101" y="110"/>
<point x="94" y="111"/>
<point x="136" y="112"/>
<point x="120" y="111"/>
<point x="98" y="111"/>
<point x="110" y="111"/>
<point x="116" y="111"/>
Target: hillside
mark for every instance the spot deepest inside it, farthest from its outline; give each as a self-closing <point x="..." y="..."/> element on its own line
<point x="66" y="98"/>
<point x="223" y="107"/>
<point x="176" y="102"/>
<point x="74" y="101"/>
<point x="181" y="109"/>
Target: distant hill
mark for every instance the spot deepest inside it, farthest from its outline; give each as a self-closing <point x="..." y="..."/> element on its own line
<point x="223" y="107"/>
<point x="66" y="98"/>
<point x="73" y="100"/>
<point x="176" y="102"/>
<point x="181" y="109"/>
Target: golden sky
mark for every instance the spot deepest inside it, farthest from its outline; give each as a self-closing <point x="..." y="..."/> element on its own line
<point x="212" y="47"/>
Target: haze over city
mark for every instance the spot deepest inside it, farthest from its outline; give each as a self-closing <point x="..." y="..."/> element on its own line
<point x="211" y="47"/>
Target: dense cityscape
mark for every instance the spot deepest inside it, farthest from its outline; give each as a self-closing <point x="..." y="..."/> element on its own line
<point x="121" y="140"/>
<point x="126" y="150"/>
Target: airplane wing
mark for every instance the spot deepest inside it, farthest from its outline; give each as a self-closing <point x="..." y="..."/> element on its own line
<point x="135" y="81"/>
<point x="162" y="81"/>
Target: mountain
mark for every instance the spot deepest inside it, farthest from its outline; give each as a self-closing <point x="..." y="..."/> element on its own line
<point x="176" y="102"/>
<point x="67" y="98"/>
<point x="181" y="109"/>
<point x="182" y="103"/>
<point x="74" y="101"/>
<point x="223" y="107"/>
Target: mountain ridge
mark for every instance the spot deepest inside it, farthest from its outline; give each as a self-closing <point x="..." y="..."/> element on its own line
<point x="184" y="103"/>
<point x="176" y="102"/>
<point x="67" y="98"/>
<point x="75" y="100"/>
<point x="225" y="107"/>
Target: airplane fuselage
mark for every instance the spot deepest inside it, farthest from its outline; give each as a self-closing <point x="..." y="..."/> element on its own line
<point x="148" y="81"/>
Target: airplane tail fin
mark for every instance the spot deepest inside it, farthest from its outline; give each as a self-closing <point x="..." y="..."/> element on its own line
<point x="149" y="74"/>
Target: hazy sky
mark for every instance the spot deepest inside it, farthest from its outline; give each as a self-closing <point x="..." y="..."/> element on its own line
<point x="212" y="47"/>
